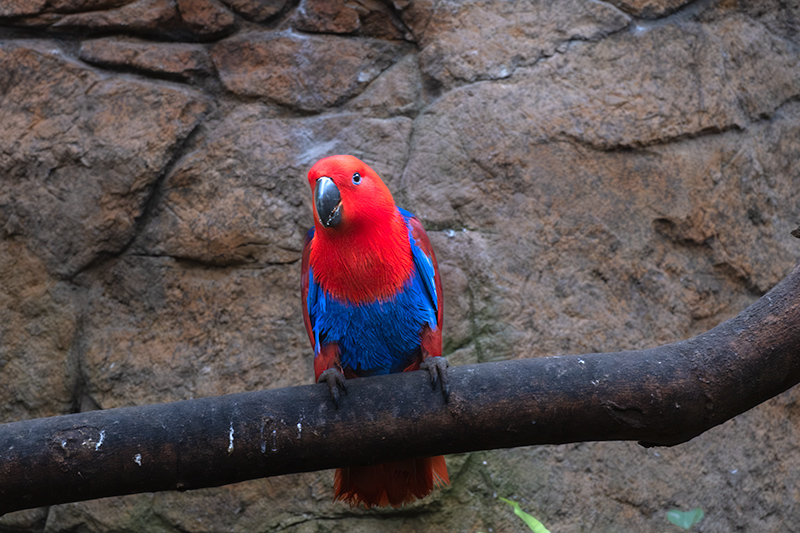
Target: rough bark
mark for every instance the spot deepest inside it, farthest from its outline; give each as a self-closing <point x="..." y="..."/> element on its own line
<point x="659" y="396"/>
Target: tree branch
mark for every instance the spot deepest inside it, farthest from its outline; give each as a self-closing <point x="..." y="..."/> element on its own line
<point x="660" y="396"/>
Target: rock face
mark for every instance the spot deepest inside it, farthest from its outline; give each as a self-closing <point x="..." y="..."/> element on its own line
<point x="594" y="176"/>
<point x="308" y="73"/>
<point x="81" y="152"/>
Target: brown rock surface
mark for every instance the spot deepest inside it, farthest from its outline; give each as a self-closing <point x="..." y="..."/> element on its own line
<point x="198" y="19"/>
<point x="142" y="349"/>
<point x="257" y="10"/>
<point x="309" y="73"/>
<point x="464" y="42"/>
<point x="397" y="91"/>
<point x="372" y="18"/>
<point x="72" y="6"/>
<point x="656" y="96"/>
<point x="594" y="176"/>
<point x="327" y="16"/>
<point x="80" y="152"/>
<point x="38" y="324"/>
<point x="184" y="61"/>
<point x="16" y="8"/>
<point x="649" y="8"/>
<point x="147" y="16"/>
<point x="206" y="18"/>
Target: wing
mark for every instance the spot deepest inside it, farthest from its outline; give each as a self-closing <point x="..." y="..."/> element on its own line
<point x="325" y="355"/>
<point x="428" y="269"/>
<point x="304" y="292"/>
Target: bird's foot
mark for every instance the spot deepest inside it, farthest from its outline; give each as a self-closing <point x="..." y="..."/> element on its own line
<point x="437" y="368"/>
<point x="336" y="382"/>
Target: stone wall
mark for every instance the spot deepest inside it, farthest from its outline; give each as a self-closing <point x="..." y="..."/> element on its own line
<point x="595" y="176"/>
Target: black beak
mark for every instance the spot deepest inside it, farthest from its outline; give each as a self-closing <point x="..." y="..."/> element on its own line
<point x="328" y="202"/>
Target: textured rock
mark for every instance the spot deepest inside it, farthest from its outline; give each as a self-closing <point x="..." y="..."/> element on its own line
<point x="199" y="19"/>
<point x="510" y="35"/>
<point x="397" y="91"/>
<point x="27" y="520"/>
<point x="780" y="18"/>
<point x="594" y="176"/>
<point x="38" y="323"/>
<point x="206" y="18"/>
<point x="380" y="21"/>
<point x="650" y="8"/>
<point x="655" y="97"/>
<point x="372" y="18"/>
<point x="158" y="332"/>
<point x="304" y="72"/>
<point x="16" y="8"/>
<point x="71" y="6"/>
<point x="81" y="149"/>
<point x="257" y="10"/>
<point x="149" y="16"/>
<point x="184" y="61"/>
<point x="323" y="16"/>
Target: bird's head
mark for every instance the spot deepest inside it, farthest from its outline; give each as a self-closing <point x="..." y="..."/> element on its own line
<point x="348" y="195"/>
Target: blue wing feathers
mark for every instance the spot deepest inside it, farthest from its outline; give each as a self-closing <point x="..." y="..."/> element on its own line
<point x="423" y="264"/>
<point x="314" y="307"/>
<point x="427" y="275"/>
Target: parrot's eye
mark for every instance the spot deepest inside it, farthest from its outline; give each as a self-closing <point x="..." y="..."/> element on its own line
<point x="356" y="178"/>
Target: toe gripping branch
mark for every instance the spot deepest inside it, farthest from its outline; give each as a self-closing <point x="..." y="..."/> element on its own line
<point x="437" y="368"/>
<point x="336" y="382"/>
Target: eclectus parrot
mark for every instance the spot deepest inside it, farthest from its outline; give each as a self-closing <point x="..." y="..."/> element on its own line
<point x="372" y="304"/>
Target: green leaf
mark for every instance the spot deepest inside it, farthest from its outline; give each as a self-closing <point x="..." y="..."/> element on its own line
<point x="531" y="522"/>
<point x="685" y="519"/>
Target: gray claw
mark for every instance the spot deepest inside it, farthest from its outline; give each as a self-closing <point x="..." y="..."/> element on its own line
<point x="437" y="368"/>
<point x="335" y="381"/>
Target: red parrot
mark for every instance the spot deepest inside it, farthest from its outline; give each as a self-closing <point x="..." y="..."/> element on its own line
<point x="372" y="304"/>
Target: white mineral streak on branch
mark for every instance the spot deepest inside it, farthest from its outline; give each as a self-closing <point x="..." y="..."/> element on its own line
<point x="100" y="440"/>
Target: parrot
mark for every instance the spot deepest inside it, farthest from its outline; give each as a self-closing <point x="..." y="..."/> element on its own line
<point x="372" y="305"/>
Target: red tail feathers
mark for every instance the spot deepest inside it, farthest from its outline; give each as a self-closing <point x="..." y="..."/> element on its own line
<point x="394" y="483"/>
